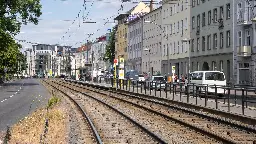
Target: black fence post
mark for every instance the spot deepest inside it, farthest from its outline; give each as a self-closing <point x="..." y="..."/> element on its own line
<point x="145" y="87"/>
<point x="129" y="85"/>
<point x="155" y="88"/>
<point x="160" y="89"/>
<point x="166" y="90"/>
<point x="137" y="84"/>
<point x="133" y="86"/>
<point x="123" y="82"/>
<point x="173" y="93"/>
<point x="196" y="93"/>
<point x="193" y="90"/>
<point x="140" y="87"/>
<point x="205" y="95"/>
<point x="150" y="87"/>
<point x="112" y="82"/>
<point x="235" y="97"/>
<point x="243" y="101"/>
<point x="180" y="90"/>
<point x="187" y="90"/>
<point x="228" y="99"/>
<point x="216" y="96"/>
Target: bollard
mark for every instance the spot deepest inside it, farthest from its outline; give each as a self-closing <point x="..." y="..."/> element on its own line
<point x="243" y="101"/>
<point x="216" y="96"/>
<point x="150" y="88"/>
<point x="129" y="81"/>
<point x="126" y="84"/>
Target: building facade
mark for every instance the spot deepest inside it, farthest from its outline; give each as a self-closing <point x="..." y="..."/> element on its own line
<point x="175" y="24"/>
<point x="121" y="44"/>
<point x="152" y="42"/>
<point x="135" y="45"/>
<point x="222" y="38"/>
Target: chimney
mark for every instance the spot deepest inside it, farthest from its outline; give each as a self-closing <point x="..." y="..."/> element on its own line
<point x="151" y="5"/>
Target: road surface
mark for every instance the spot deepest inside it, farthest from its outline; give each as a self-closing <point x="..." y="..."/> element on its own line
<point x="19" y="98"/>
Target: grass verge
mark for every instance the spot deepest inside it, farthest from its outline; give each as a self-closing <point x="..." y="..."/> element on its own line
<point x="30" y="129"/>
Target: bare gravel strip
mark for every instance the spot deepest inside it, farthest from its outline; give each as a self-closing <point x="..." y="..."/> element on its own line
<point x="112" y="127"/>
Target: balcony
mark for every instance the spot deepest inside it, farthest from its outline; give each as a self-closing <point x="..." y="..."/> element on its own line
<point x="244" y="51"/>
<point x="245" y="18"/>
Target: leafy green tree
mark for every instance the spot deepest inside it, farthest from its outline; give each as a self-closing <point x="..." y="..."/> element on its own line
<point x="14" y="13"/>
<point x="110" y="48"/>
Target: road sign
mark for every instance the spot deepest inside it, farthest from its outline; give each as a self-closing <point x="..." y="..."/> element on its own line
<point x="116" y="61"/>
<point x="173" y="69"/>
<point x="121" y="74"/>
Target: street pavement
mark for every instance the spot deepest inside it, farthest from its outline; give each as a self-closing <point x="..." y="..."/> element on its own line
<point x="235" y="105"/>
<point x="19" y="98"/>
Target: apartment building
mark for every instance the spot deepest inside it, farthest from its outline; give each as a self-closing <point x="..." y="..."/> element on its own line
<point x="29" y="54"/>
<point x="175" y="24"/>
<point x="135" y="46"/>
<point x="221" y="38"/>
<point x="121" y="48"/>
<point x="152" y="41"/>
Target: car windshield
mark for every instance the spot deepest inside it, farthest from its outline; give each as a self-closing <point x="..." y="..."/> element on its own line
<point x="214" y="76"/>
<point x="158" y="78"/>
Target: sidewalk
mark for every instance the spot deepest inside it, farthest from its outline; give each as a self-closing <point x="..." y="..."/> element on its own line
<point x="210" y="103"/>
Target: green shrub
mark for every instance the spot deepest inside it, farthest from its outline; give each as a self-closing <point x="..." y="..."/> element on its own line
<point x="52" y="101"/>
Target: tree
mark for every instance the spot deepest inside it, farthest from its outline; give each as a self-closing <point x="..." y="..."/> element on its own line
<point x="110" y="48"/>
<point x="14" y="13"/>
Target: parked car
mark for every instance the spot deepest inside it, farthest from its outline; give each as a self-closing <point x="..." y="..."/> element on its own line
<point x="157" y="82"/>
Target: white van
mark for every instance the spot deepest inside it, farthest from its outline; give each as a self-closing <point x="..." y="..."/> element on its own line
<point x="209" y="78"/>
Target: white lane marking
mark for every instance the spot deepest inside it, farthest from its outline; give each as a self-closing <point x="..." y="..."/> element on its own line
<point x="18" y="90"/>
<point x="2" y="101"/>
<point x="11" y="96"/>
<point x="20" y="87"/>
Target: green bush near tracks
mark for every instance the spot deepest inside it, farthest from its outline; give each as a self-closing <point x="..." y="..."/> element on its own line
<point x="52" y="101"/>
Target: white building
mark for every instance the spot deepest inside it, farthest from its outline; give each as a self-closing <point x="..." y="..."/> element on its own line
<point x="152" y="41"/>
<point x="176" y="24"/>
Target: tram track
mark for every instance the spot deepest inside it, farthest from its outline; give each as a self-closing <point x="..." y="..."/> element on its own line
<point x="217" y="128"/>
<point x="117" y="126"/>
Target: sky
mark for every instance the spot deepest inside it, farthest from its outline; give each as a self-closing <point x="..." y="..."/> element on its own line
<point x="55" y="25"/>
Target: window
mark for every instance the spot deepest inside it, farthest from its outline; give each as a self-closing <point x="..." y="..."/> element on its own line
<point x="171" y="11"/>
<point x="239" y="38"/>
<point x="196" y="76"/>
<point x="178" y="27"/>
<point x="228" y="38"/>
<point x="182" y="6"/>
<point x="182" y="47"/>
<point x="221" y="66"/>
<point x="192" y="45"/>
<point x="197" y="65"/>
<point x="182" y="27"/>
<point x="198" y="21"/>
<point x="248" y="38"/>
<point x="193" y="3"/>
<point x="171" y="29"/>
<point x="228" y="11"/>
<point x="215" y="15"/>
<point x="209" y="17"/>
<point x="209" y="42"/>
<point x="198" y="2"/>
<point x="221" y="12"/>
<point x="178" y="49"/>
<point x="215" y="41"/>
<point x="174" y="48"/>
<point x="213" y="66"/>
<point x="193" y="22"/>
<point x="217" y="76"/>
<point x="221" y="40"/>
<point x="203" y="43"/>
<point x="198" y="44"/>
<point x="203" y="19"/>
<point x="186" y="23"/>
<point x="174" y="28"/>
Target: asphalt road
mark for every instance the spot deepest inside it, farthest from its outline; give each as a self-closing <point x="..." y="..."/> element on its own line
<point x="19" y="98"/>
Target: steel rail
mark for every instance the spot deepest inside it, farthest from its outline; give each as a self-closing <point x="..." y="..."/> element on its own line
<point x="160" y="140"/>
<point x="93" y="128"/>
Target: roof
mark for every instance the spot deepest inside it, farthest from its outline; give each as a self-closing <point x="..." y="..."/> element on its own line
<point x="121" y="16"/>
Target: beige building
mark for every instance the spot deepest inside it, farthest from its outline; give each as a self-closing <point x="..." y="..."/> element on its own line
<point x="122" y="30"/>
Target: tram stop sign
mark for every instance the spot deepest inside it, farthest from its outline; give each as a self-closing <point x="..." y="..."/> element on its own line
<point x="116" y="61"/>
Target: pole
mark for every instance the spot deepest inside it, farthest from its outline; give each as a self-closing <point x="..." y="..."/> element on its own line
<point x="149" y="63"/>
<point x="114" y="80"/>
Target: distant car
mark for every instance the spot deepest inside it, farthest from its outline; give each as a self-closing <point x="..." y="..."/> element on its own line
<point x="157" y="82"/>
<point x="141" y="78"/>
